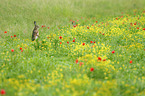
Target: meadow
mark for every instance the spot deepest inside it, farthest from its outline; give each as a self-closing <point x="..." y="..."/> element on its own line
<point x="101" y="54"/>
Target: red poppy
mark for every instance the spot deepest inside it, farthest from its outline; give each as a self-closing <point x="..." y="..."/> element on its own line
<point x="77" y="60"/>
<point x="103" y="34"/>
<point x="104" y="59"/>
<point x="137" y="27"/>
<point x="91" y="41"/>
<point x="11" y="36"/>
<point x="99" y="58"/>
<point x="20" y="48"/>
<point x="42" y="26"/>
<point x="60" y="42"/>
<point x="73" y="21"/>
<point x="96" y="21"/>
<point x="5" y="32"/>
<point x="60" y="37"/>
<point x="116" y="18"/>
<point x="14" y="35"/>
<point x="94" y="42"/>
<point x="77" y="20"/>
<point x="91" y="69"/>
<point x="87" y="27"/>
<point x="130" y="61"/>
<point x="83" y="44"/>
<point x="143" y="28"/>
<point x="47" y="37"/>
<point x="48" y="27"/>
<point x="81" y="63"/>
<point x="3" y="92"/>
<point x="74" y="25"/>
<point x="113" y="51"/>
<point x="67" y="42"/>
<point x="73" y="40"/>
<point x="134" y="23"/>
<point x="12" y="50"/>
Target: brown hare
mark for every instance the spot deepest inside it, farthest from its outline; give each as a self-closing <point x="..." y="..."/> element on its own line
<point x="35" y="33"/>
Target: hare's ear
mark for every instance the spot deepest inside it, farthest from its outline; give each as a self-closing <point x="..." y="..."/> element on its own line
<point x="34" y="22"/>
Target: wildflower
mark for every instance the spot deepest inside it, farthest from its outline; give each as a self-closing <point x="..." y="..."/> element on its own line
<point x="3" y="92"/>
<point x="81" y="63"/>
<point x="137" y="27"/>
<point x="99" y="58"/>
<point x="104" y="59"/>
<point x="47" y="37"/>
<point x="113" y="52"/>
<point x="116" y="18"/>
<point x="96" y="21"/>
<point x="60" y="37"/>
<point x="5" y="32"/>
<point x="11" y="36"/>
<point x="91" y="41"/>
<point x="14" y="35"/>
<point x="12" y="50"/>
<point x="77" y="60"/>
<point x="94" y="42"/>
<point x="130" y="61"/>
<point x="22" y="50"/>
<point x="73" y="40"/>
<point x="143" y="28"/>
<point x="83" y="44"/>
<point x="67" y="42"/>
<point x="74" y="25"/>
<point x="103" y="34"/>
<point x="134" y="23"/>
<point x="48" y="27"/>
<point x="87" y="27"/>
<point x="43" y="26"/>
<point x="73" y="21"/>
<point x="91" y="69"/>
<point x="60" y="42"/>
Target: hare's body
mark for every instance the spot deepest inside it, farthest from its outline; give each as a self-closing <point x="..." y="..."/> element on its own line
<point x="35" y="33"/>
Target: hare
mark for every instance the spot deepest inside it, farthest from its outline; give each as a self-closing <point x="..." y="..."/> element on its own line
<point x="35" y="33"/>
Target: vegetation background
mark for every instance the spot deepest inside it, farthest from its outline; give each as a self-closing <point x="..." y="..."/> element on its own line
<point x="103" y="55"/>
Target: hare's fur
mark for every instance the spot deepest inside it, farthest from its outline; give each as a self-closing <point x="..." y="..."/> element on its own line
<point x="35" y="33"/>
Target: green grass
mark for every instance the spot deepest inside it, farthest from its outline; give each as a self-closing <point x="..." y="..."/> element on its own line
<point x="50" y="69"/>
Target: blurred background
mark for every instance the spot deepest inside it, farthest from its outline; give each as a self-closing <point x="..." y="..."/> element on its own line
<point x="17" y="16"/>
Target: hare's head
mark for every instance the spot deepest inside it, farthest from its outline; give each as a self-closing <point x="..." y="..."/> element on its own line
<point x="36" y="26"/>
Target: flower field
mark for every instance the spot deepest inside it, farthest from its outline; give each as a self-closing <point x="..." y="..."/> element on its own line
<point x="91" y="57"/>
